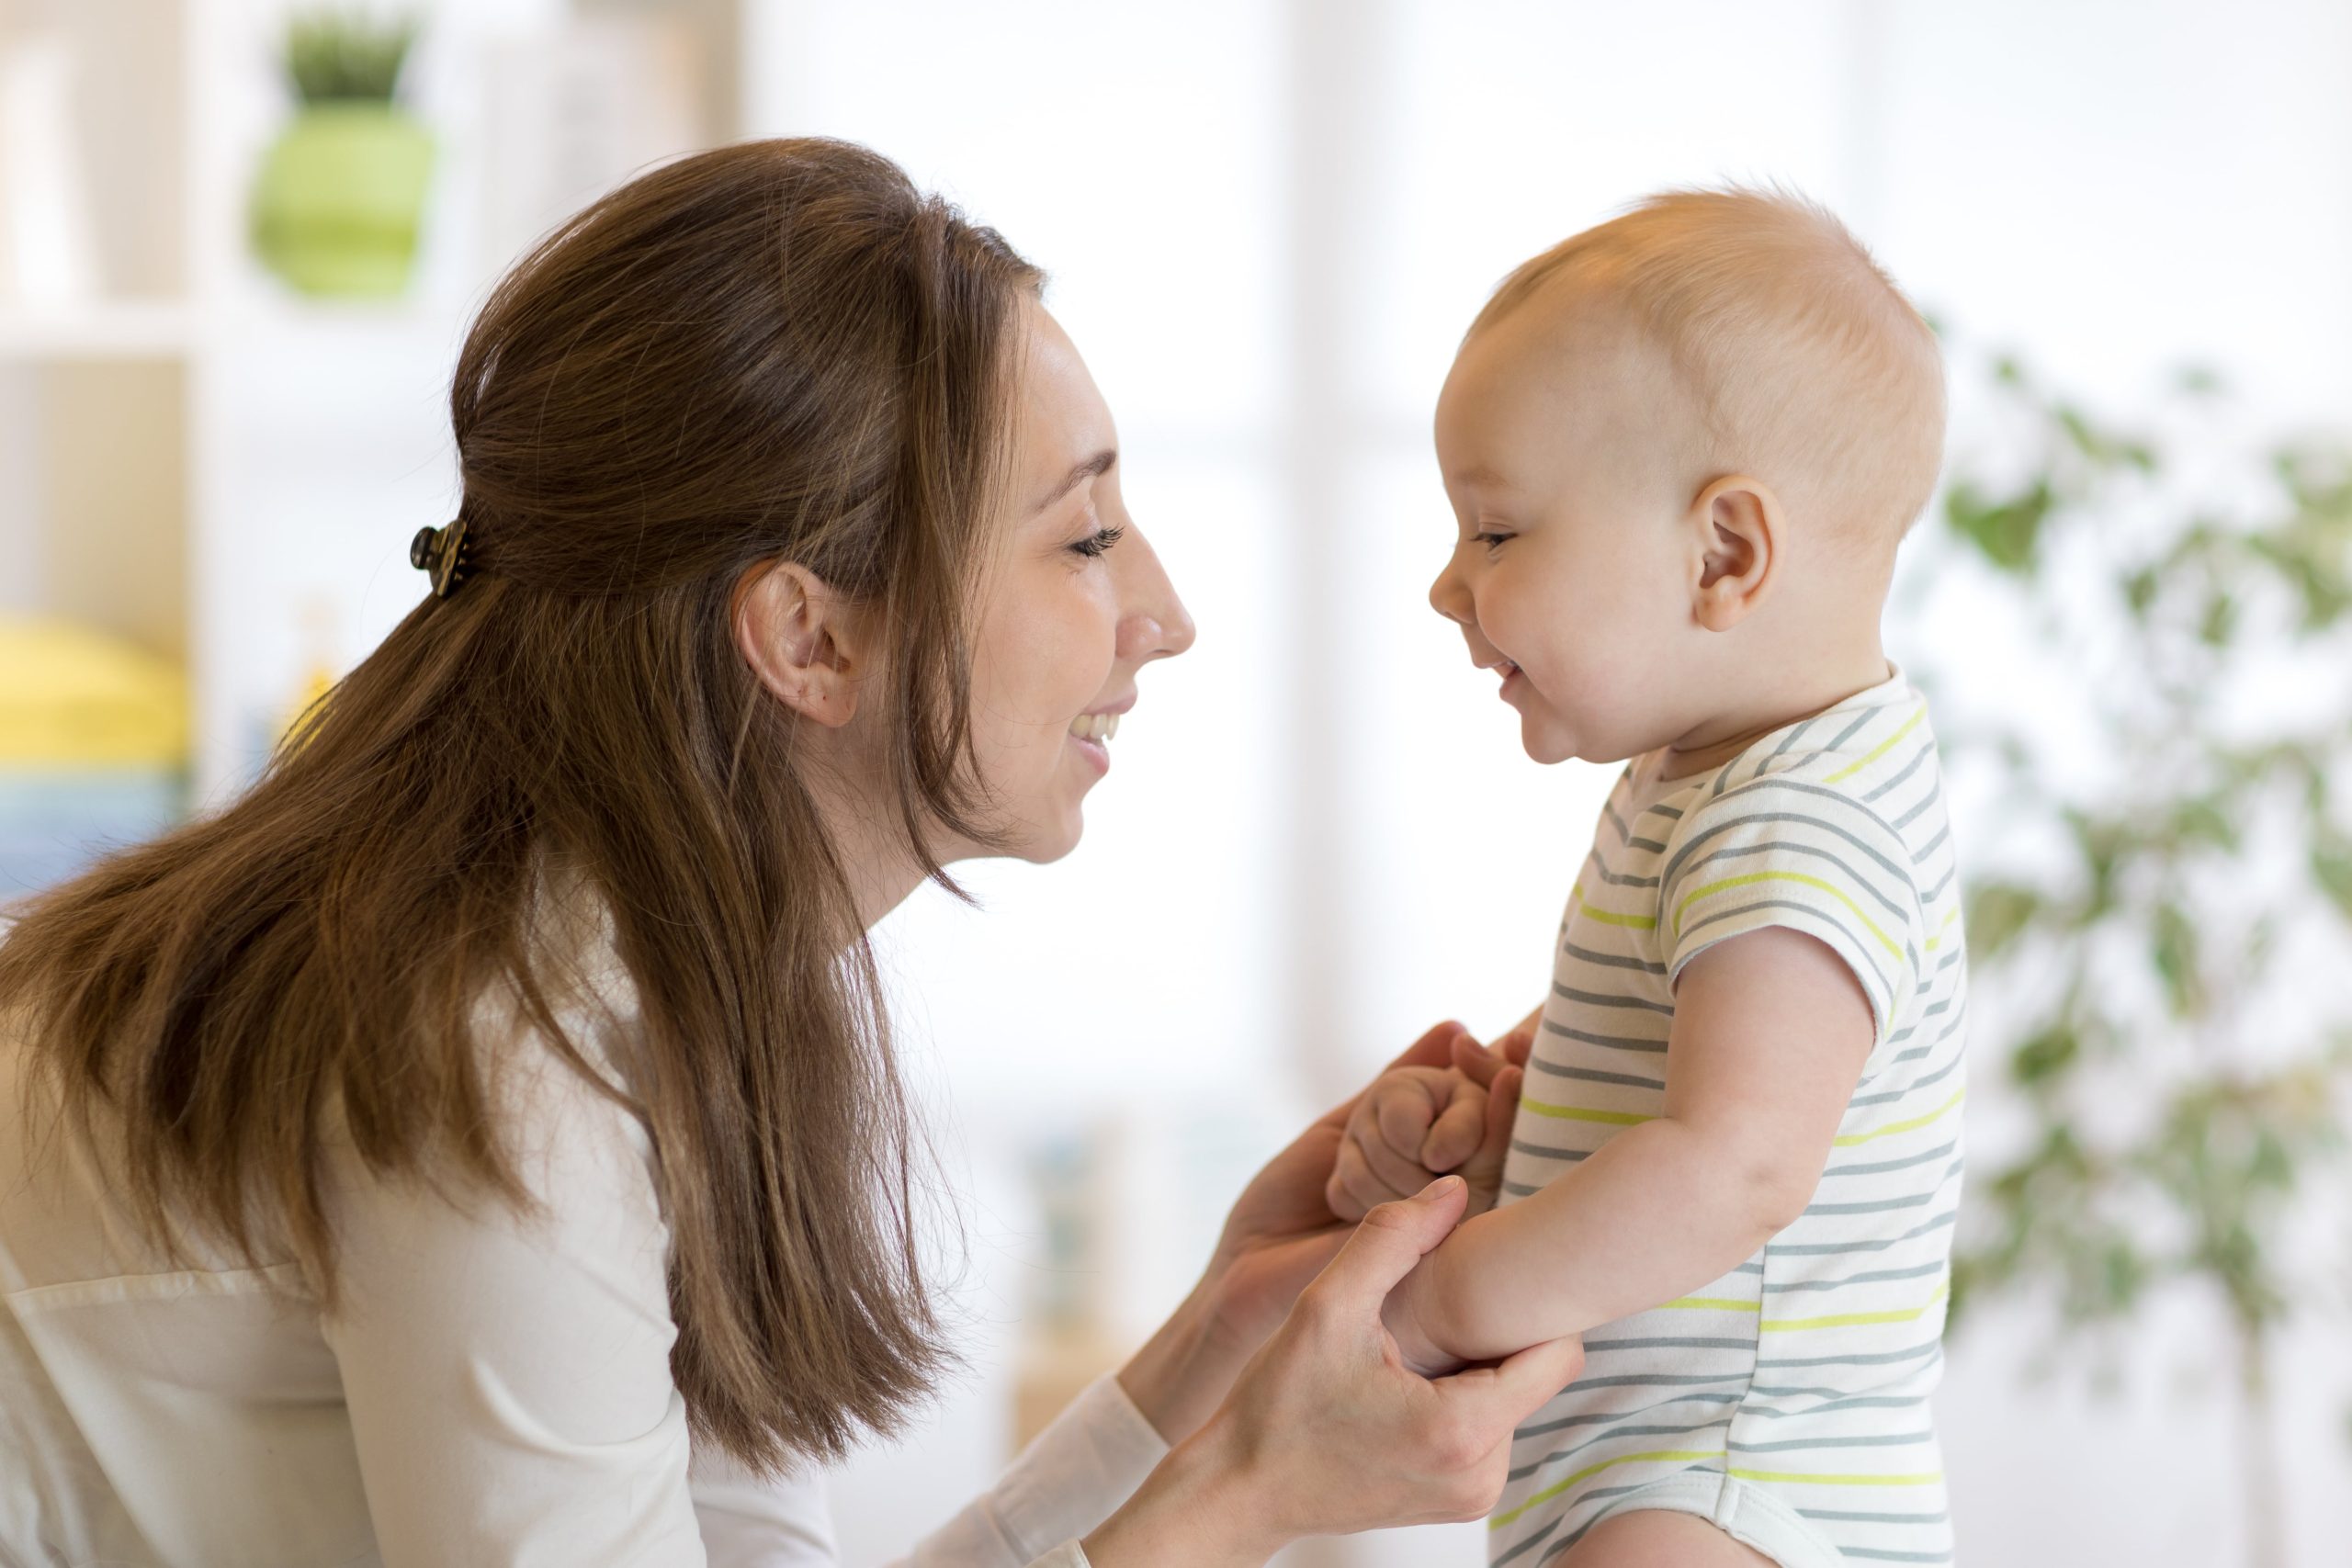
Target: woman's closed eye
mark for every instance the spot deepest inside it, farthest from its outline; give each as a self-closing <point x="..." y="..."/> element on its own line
<point x="1097" y="544"/>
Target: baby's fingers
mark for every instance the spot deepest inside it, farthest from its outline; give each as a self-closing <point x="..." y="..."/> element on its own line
<point x="1459" y="1128"/>
<point x="1364" y="1177"/>
<point x="1392" y="1149"/>
<point x="1403" y="1107"/>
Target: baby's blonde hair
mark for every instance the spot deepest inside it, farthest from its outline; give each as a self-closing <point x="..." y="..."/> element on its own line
<point x="1809" y="368"/>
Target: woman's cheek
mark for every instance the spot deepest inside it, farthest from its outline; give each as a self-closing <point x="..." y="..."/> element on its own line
<point x="1089" y="641"/>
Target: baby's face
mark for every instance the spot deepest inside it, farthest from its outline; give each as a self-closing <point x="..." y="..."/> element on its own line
<point x="1558" y="438"/>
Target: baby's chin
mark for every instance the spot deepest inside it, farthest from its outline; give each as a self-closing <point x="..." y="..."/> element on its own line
<point x="1545" y="740"/>
<point x="1549" y="741"/>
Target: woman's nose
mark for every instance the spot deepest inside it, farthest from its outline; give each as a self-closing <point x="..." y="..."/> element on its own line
<point x="1153" y="624"/>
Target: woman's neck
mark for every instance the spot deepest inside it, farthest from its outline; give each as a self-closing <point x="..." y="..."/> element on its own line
<point x="871" y="847"/>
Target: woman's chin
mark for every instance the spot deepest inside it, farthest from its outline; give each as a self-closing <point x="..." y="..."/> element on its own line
<point x="1051" y="831"/>
<point x="1046" y="846"/>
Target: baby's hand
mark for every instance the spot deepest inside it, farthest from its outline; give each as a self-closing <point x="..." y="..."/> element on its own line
<point x="1415" y="1124"/>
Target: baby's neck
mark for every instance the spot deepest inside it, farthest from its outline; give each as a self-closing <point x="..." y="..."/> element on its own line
<point x="1789" y="700"/>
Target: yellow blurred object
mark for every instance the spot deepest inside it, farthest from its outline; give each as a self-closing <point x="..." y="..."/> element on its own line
<point x="73" y="697"/>
<point x="318" y="677"/>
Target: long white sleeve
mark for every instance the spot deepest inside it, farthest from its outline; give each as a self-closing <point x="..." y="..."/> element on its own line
<point x="1067" y="1481"/>
<point x="1071" y="1478"/>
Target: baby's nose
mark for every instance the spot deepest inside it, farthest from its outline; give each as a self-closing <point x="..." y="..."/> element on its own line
<point x="1449" y="598"/>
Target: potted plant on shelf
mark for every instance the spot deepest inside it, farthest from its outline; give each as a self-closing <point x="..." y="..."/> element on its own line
<point x="342" y="190"/>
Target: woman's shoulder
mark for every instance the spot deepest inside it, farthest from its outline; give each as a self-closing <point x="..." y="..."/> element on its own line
<point x="556" y="1052"/>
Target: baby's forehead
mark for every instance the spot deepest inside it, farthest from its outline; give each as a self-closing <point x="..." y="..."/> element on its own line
<point x="1578" y="350"/>
<point x="1567" y="384"/>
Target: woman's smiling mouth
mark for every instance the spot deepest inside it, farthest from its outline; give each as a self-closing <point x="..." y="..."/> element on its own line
<point x="1090" y="732"/>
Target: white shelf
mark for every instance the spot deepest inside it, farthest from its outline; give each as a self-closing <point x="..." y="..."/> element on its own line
<point x="198" y="458"/>
<point x="125" y="329"/>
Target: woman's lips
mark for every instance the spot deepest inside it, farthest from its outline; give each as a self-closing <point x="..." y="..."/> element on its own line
<point x="1092" y="733"/>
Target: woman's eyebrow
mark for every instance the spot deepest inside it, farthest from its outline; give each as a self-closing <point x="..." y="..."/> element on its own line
<point x="1092" y="468"/>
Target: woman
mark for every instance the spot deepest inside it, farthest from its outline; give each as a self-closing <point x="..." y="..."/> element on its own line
<point x="418" y="1160"/>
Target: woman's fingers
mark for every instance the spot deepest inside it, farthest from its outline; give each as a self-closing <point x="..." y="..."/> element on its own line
<point x="1433" y="1049"/>
<point x="1383" y="1249"/>
<point x="1509" y="1392"/>
<point x="1335" y="1435"/>
<point x="1501" y="1109"/>
<point x="1474" y="1061"/>
<point x="1484" y="1170"/>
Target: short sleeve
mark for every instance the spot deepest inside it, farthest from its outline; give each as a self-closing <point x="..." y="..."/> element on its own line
<point x="1792" y="853"/>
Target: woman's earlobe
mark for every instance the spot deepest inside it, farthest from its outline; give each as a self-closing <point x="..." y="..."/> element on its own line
<point x="792" y="631"/>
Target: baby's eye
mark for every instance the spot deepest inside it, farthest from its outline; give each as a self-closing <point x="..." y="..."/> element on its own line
<point x="1098" y="544"/>
<point x="1489" y="538"/>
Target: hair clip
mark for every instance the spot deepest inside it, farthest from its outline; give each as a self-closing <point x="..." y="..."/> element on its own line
<point x="442" y="553"/>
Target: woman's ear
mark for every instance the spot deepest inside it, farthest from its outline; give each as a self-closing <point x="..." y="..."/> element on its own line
<point x="801" y="639"/>
<point x="1739" y="526"/>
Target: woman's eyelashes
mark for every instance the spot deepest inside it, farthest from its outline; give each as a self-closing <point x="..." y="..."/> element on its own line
<point x="1097" y="544"/>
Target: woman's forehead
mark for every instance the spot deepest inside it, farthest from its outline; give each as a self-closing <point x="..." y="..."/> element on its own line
<point x="1064" y="426"/>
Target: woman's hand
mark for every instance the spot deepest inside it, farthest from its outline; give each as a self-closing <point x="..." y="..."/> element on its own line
<point x="1279" y="1235"/>
<point x="1328" y="1433"/>
<point x="1282" y="1230"/>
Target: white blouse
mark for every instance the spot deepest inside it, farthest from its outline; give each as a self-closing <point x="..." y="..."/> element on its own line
<point x="493" y="1390"/>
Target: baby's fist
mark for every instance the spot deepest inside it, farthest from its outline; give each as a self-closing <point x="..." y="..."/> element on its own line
<point x="1412" y="1126"/>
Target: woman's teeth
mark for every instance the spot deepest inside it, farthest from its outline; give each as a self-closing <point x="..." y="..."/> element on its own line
<point x="1094" y="725"/>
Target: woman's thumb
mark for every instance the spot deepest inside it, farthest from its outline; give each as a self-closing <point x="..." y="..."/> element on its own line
<point x="1393" y="1238"/>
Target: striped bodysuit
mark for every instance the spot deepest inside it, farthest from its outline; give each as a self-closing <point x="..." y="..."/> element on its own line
<point x="1787" y="1401"/>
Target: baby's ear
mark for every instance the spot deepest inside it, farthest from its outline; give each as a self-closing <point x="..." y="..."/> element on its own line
<point x="1737" y="523"/>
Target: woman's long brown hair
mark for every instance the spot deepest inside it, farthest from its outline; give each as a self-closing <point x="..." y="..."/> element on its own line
<point x="776" y="351"/>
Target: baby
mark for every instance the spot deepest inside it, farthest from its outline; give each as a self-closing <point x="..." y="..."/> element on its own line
<point x="1681" y="450"/>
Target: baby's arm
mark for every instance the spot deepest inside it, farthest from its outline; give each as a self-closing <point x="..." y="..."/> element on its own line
<point x="1770" y="1034"/>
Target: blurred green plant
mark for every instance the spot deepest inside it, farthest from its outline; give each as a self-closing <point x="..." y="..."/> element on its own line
<point x="2139" y="919"/>
<point x="344" y="54"/>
